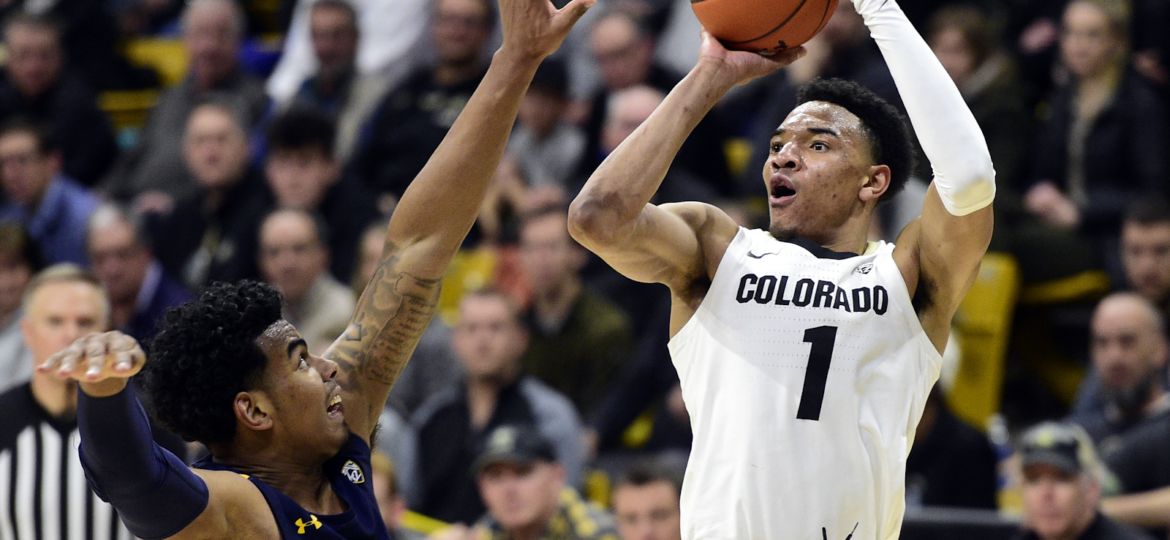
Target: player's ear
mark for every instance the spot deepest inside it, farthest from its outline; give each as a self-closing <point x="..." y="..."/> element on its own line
<point x="877" y="182"/>
<point x="252" y="409"/>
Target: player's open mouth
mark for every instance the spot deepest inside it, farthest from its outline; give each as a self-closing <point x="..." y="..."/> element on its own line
<point x="334" y="409"/>
<point x="781" y="191"/>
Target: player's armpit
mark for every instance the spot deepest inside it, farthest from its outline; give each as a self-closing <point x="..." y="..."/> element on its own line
<point x="391" y="316"/>
<point x="939" y="256"/>
<point x="235" y="509"/>
<point x="673" y="244"/>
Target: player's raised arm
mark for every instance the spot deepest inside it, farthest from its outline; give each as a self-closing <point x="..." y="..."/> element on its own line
<point x="437" y="211"/>
<point x="612" y="215"/>
<point x="939" y="254"/>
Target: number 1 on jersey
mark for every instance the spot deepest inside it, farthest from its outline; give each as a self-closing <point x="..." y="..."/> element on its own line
<point x="816" y="376"/>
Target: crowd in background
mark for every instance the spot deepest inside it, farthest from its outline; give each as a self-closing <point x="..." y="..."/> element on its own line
<point x="282" y="151"/>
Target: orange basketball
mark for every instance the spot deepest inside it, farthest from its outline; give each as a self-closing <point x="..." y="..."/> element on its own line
<point x="763" y="26"/>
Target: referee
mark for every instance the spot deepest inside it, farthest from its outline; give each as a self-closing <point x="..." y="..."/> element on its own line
<point x="43" y="493"/>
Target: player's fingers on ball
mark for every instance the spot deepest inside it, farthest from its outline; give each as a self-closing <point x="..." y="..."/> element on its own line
<point x="123" y="362"/>
<point x="96" y="348"/>
<point x="69" y="358"/>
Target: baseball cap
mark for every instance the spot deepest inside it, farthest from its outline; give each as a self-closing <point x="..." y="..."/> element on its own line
<point x="1064" y="446"/>
<point x="514" y="444"/>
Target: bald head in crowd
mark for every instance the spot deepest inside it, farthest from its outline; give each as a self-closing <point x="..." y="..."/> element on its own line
<point x="624" y="51"/>
<point x="1129" y="352"/>
<point x="626" y="110"/>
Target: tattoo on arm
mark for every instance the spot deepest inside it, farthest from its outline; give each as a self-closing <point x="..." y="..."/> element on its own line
<point x="392" y="314"/>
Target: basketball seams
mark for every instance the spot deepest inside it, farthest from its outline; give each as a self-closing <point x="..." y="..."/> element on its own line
<point x="772" y="31"/>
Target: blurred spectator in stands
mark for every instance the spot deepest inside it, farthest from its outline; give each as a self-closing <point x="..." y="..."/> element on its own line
<point x="1103" y="143"/>
<point x="294" y="259"/>
<point x="578" y="340"/>
<point x="1145" y="250"/>
<point x="337" y="89"/>
<point x="211" y="234"/>
<point x="453" y="426"/>
<point x="951" y="463"/>
<point x="391" y="503"/>
<point x="121" y="258"/>
<point x="19" y="262"/>
<point x="432" y="367"/>
<point x="965" y="42"/>
<point x="303" y="174"/>
<point x="413" y="118"/>
<point x="1142" y="468"/>
<point x="36" y="86"/>
<point x="144" y="17"/>
<point x="89" y="35"/>
<point x="646" y="504"/>
<point x="626" y="110"/>
<point x="153" y="172"/>
<point x="53" y="207"/>
<point x="1062" y="488"/>
<point x="523" y="483"/>
<point x="1129" y="353"/>
<point x="624" y="50"/>
<point x="544" y="145"/>
<point x="392" y="36"/>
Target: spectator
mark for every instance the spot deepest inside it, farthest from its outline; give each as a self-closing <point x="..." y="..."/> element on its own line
<point x="546" y="148"/>
<point x="579" y="341"/>
<point x="211" y="234"/>
<point x="295" y="260"/>
<point x="390" y="501"/>
<point x="155" y="167"/>
<point x="625" y="55"/>
<point x="1102" y="145"/>
<point x="1145" y="250"/>
<point x="391" y="32"/>
<point x="38" y="430"/>
<point x="53" y="207"/>
<point x="965" y="42"/>
<point x="36" y="86"/>
<point x="432" y="367"/>
<point x="19" y="261"/>
<point x="951" y="464"/>
<point x="303" y="175"/>
<point x="453" y="426"/>
<point x="1142" y="466"/>
<point x="646" y="504"/>
<point x="120" y="256"/>
<point x="1129" y="353"/>
<point x="337" y="89"/>
<point x="1062" y="488"/>
<point x="523" y="483"/>
<point x="412" y="119"/>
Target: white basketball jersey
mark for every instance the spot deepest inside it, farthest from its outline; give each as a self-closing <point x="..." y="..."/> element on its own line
<point x="804" y="376"/>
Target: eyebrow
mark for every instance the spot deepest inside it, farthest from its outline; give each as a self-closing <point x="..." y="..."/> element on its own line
<point x="817" y="130"/>
<point x="296" y="343"/>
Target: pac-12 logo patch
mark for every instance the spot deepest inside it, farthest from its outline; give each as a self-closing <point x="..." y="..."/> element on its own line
<point x="353" y="472"/>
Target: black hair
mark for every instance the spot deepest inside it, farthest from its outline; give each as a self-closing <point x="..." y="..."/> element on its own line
<point x="204" y="354"/>
<point x="649" y="472"/>
<point x="46" y="141"/>
<point x="302" y="128"/>
<point x="881" y="122"/>
<point x="16" y="242"/>
<point x="1150" y="209"/>
<point x="552" y="77"/>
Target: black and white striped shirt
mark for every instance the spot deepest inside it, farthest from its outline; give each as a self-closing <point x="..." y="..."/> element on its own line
<point x="43" y="492"/>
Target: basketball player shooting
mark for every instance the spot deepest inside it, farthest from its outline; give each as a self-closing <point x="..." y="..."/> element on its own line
<point x="805" y="353"/>
<point x="289" y="432"/>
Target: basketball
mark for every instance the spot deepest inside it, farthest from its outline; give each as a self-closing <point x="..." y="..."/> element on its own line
<point x="763" y="26"/>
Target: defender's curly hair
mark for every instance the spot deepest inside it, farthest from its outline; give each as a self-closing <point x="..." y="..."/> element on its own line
<point x="881" y="122"/>
<point x="205" y="354"/>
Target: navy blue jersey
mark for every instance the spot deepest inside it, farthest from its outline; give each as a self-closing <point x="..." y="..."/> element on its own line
<point x="349" y="474"/>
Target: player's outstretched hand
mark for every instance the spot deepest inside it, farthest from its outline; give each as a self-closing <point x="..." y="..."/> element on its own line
<point x="534" y="28"/>
<point x="97" y="357"/>
<point x="743" y="66"/>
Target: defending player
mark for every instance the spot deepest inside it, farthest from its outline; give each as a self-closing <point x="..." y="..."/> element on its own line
<point x="289" y="432"/>
<point x="805" y="354"/>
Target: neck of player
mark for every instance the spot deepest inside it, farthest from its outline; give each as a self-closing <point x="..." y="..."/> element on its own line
<point x="300" y="478"/>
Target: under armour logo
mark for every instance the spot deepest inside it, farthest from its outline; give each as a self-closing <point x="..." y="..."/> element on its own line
<point x="825" y="532"/>
<point x="312" y="521"/>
